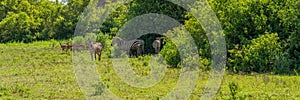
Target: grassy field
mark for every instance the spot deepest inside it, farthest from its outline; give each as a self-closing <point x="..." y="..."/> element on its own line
<point x="40" y="70"/>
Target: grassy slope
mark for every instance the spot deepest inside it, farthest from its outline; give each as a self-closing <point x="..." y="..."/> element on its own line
<point x="42" y="70"/>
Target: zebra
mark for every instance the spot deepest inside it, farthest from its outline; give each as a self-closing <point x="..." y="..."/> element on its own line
<point x="156" y="45"/>
<point x="95" y="49"/>
<point x="137" y="46"/>
<point x="126" y="46"/>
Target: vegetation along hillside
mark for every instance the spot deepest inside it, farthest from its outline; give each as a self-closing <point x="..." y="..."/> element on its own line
<point x="39" y="38"/>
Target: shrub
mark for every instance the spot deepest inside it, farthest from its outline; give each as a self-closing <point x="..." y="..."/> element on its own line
<point x="79" y="40"/>
<point x="170" y="53"/>
<point x="180" y="47"/>
<point x="104" y="39"/>
<point x="234" y="89"/>
<point x="263" y="54"/>
<point x="293" y="49"/>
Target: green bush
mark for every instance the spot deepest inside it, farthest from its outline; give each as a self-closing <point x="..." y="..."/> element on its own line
<point x="246" y="20"/>
<point x="105" y="40"/>
<point x="180" y="47"/>
<point x="170" y="53"/>
<point x="199" y="35"/>
<point x="293" y="49"/>
<point x="79" y="40"/>
<point x="263" y="54"/>
<point x="19" y="27"/>
<point x="234" y="89"/>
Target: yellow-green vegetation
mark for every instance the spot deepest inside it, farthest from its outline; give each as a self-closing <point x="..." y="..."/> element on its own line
<point x="261" y="35"/>
<point x="40" y="70"/>
<point x="262" y="47"/>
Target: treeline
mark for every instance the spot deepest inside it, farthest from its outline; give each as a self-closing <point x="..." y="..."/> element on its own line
<point x="261" y="35"/>
<point x="31" y="20"/>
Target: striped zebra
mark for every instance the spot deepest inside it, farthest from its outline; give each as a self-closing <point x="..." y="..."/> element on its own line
<point x="156" y="45"/>
<point x="127" y="46"/>
<point x="137" y="46"/>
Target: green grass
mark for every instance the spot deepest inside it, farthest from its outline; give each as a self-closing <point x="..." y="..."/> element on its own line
<point x="40" y="70"/>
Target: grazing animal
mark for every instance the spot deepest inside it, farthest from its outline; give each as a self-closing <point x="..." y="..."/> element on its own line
<point x="95" y="49"/>
<point x="156" y="45"/>
<point x="137" y="46"/>
<point x="126" y="46"/>
<point x="65" y="47"/>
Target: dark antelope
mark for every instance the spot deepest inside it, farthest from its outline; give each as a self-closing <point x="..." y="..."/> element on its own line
<point x="65" y="47"/>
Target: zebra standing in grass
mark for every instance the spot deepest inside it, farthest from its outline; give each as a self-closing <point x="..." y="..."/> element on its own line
<point x="156" y="45"/>
<point x="95" y="49"/>
<point x="126" y="46"/>
<point x="137" y="46"/>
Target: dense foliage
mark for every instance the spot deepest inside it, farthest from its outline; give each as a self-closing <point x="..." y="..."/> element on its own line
<point x="261" y="35"/>
<point x="31" y="20"/>
<point x="264" y="53"/>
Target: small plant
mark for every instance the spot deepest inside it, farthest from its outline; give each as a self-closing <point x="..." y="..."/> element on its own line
<point x="99" y="88"/>
<point x="266" y="80"/>
<point x="4" y="91"/>
<point x="297" y="74"/>
<point x="234" y="88"/>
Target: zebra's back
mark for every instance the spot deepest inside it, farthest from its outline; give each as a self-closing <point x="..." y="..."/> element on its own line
<point x="129" y="45"/>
